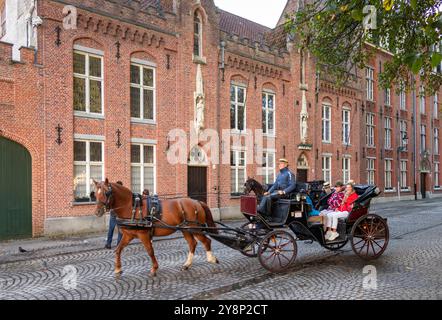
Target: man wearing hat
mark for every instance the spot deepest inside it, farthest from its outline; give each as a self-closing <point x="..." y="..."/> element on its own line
<point x="285" y="184"/>
<point x="325" y="189"/>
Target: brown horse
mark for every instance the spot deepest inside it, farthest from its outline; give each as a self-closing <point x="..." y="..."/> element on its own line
<point x="175" y="212"/>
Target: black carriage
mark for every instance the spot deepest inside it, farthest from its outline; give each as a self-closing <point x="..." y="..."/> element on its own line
<point x="276" y="247"/>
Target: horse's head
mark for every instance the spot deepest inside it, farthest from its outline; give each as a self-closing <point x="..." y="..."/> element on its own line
<point x="253" y="185"/>
<point x="104" y="195"/>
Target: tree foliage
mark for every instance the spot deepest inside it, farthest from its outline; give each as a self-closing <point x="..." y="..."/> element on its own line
<point x="336" y="32"/>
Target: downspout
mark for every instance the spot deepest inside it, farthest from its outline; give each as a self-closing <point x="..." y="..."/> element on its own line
<point x="414" y="135"/>
<point x="218" y="122"/>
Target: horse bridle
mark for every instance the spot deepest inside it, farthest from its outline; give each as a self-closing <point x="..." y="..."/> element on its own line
<point x="108" y="194"/>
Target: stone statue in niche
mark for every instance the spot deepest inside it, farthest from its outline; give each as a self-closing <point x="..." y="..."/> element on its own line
<point x="199" y="121"/>
<point x="304" y="127"/>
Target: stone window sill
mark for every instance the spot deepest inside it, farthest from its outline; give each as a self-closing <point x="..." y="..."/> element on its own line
<point x="142" y="121"/>
<point x="81" y="114"/>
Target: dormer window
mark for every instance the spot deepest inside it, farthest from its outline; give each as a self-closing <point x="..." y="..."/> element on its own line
<point x="197" y="35"/>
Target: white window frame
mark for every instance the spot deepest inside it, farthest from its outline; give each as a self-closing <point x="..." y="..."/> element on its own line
<point x="346" y="126"/>
<point x="403" y="171"/>
<point x="369" y="77"/>
<point x="266" y="169"/>
<point x="236" y="166"/>
<point x="435" y="105"/>
<point x="388" y="178"/>
<point x="326" y="168"/>
<point x="143" y="87"/>
<point x="266" y="109"/>
<point x="423" y="135"/>
<point x="326" y="123"/>
<point x="88" y="163"/>
<point x="237" y="104"/>
<point x="422" y="99"/>
<point x="141" y="165"/>
<point x="403" y="126"/>
<point x="402" y="99"/>
<point x="370" y="129"/>
<point x="388" y="133"/>
<point x="387" y="98"/>
<point x="87" y="77"/>
<point x="346" y="169"/>
<point x="371" y="171"/>
<point x="436" y="178"/>
<point x="436" y="141"/>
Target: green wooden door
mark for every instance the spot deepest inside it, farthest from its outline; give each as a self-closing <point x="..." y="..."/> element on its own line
<point x="15" y="191"/>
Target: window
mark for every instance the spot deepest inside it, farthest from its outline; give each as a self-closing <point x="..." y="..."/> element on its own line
<point x="88" y="165"/>
<point x="388" y="131"/>
<point x="435" y="105"/>
<point x="435" y="141"/>
<point x="387" y="97"/>
<point x="88" y="83"/>
<point x="388" y="174"/>
<point x="370" y="171"/>
<point x="326" y="123"/>
<point x="345" y="169"/>
<point x="3" y="21"/>
<point x="403" y="133"/>
<point x="422" y="99"/>
<point x="197" y="35"/>
<point x="370" y="83"/>
<point x="403" y="178"/>
<point x="268" y="167"/>
<point x="142" y="92"/>
<point x="326" y="168"/>
<point x="423" y="138"/>
<point x="237" y="108"/>
<point x="268" y="113"/>
<point x="369" y="118"/>
<point x="346" y="126"/>
<point x="237" y="171"/>
<point x="436" y="176"/>
<point x="402" y="99"/>
<point x="142" y="158"/>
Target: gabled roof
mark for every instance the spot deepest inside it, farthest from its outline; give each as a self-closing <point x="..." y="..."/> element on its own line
<point x="243" y="28"/>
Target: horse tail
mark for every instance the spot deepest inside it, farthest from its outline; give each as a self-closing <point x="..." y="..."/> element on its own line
<point x="209" y="218"/>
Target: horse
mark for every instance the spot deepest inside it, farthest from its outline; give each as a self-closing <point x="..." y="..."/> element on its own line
<point x="253" y="185"/>
<point x="175" y="212"/>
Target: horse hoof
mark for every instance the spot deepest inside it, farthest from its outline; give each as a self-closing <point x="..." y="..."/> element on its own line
<point x="217" y="261"/>
<point x="118" y="272"/>
<point x="153" y="274"/>
<point x="185" y="268"/>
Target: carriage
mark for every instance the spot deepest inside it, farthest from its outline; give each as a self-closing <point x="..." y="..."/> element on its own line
<point x="276" y="247"/>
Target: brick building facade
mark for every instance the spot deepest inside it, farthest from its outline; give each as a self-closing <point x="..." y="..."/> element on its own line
<point x="102" y="98"/>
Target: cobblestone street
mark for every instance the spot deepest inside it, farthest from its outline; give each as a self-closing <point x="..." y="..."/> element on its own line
<point x="409" y="269"/>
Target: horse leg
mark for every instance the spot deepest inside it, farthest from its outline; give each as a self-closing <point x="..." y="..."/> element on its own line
<point x="125" y="240"/>
<point x="192" y="245"/>
<point x="207" y="243"/>
<point x="146" y="239"/>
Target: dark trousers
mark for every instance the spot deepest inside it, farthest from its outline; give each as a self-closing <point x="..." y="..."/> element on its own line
<point x="110" y="233"/>
<point x="265" y="206"/>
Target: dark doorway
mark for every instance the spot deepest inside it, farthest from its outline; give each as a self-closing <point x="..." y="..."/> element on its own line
<point x="197" y="183"/>
<point x="301" y="175"/>
<point x="423" y="185"/>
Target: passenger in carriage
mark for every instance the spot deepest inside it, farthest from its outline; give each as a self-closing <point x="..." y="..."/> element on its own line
<point x="284" y="185"/>
<point x="335" y="199"/>
<point x="341" y="212"/>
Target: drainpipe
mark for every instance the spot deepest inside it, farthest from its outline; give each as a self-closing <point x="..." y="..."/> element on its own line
<point x="414" y="135"/>
<point x="218" y="122"/>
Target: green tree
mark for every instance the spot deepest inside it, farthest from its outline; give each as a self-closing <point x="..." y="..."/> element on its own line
<point x="336" y="32"/>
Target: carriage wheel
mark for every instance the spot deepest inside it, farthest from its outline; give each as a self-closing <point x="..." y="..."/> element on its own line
<point x="335" y="246"/>
<point x="369" y="236"/>
<point x="277" y="251"/>
<point x="251" y="250"/>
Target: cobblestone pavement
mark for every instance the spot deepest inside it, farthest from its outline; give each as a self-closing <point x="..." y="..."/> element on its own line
<point x="410" y="268"/>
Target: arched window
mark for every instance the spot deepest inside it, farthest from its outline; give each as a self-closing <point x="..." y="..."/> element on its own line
<point x="197" y="35"/>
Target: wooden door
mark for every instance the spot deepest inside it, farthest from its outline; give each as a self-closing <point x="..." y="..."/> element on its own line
<point x="197" y="183"/>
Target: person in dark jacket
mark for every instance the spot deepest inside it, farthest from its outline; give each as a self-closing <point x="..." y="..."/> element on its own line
<point x="112" y="225"/>
<point x="284" y="185"/>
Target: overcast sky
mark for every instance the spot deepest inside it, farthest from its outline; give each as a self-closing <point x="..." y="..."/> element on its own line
<point x="265" y="12"/>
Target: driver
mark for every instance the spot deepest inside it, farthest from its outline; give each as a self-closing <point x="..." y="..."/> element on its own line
<point x="285" y="184"/>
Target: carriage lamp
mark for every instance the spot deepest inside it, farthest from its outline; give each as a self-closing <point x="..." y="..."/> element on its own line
<point x="298" y="197"/>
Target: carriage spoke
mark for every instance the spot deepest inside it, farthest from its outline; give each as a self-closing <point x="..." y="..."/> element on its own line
<point x="378" y="244"/>
<point x="363" y="239"/>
